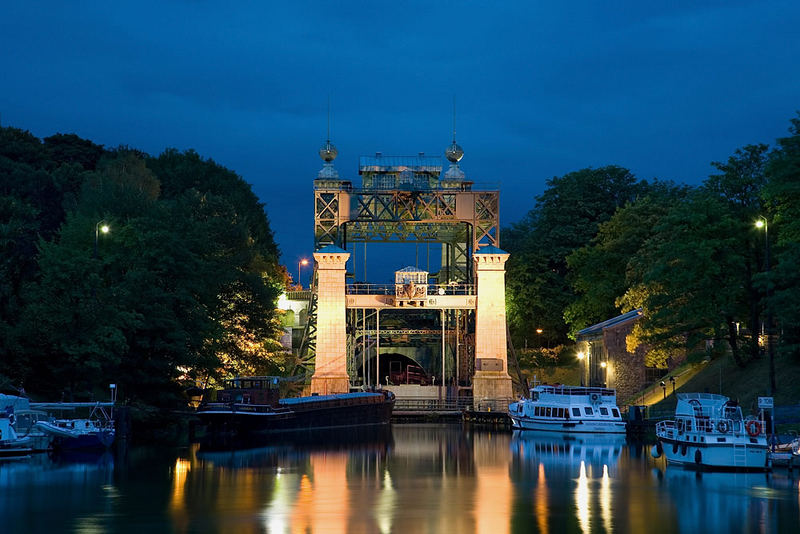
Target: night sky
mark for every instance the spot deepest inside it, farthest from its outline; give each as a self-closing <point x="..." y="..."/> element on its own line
<point x="542" y="88"/>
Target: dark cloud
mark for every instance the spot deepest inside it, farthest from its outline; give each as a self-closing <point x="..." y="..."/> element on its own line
<point x="542" y="88"/>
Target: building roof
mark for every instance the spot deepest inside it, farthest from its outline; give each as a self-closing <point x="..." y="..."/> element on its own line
<point x="598" y="328"/>
<point x="410" y="269"/>
<point x="332" y="249"/>
<point x="381" y="163"/>
<point x="490" y="249"/>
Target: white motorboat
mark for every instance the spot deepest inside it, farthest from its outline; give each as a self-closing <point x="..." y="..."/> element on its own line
<point x="78" y="433"/>
<point x="568" y="409"/>
<point x="709" y="432"/>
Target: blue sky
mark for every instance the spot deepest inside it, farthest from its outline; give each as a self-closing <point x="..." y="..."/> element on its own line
<point x="543" y="88"/>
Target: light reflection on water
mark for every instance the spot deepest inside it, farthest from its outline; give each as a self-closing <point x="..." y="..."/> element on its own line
<point x="414" y="478"/>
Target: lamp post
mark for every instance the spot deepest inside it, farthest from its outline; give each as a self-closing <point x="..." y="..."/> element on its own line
<point x="101" y="226"/>
<point x="664" y="388"/>
<point x="302" y="262"/>
<point x="581" y="356"/>
<point x="672" y="380"/>
<point x="762" y="223"/>
<point x="604" y="365"/>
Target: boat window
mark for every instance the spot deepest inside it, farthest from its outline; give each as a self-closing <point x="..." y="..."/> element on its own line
<point x="535" y="396"/>
<point x="547" y="411"/>
<point x="615" y="412"/>
<point x="688" y="425"/>
<point x="603" y="410"/>
<point x="537" y="411"/>
<point x="576" y="412"/>
<point x="588" y="410"/>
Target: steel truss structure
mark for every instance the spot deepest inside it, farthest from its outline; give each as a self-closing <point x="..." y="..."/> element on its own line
<point x="463" y="221"/>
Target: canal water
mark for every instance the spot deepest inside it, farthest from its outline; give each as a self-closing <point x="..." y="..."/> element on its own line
<point x="408" y="478"/>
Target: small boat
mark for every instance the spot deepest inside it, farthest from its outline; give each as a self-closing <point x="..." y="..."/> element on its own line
<point x="11" y="445"/>
<point x="709" y="432"/>
<point x="249" y="406"/>
<point x="568" y="409"/>
<point x="78" y="434"/>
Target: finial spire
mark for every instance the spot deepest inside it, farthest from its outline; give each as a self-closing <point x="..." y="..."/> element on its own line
<point x="454" y="153"/>
<point x="328" y="152"/>
<point x="454" y="119"/>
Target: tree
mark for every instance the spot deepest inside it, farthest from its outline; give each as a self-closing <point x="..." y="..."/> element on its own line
<point x="782" y="195"/>
<point x="565" y="217"/>
<point x="691" y="285"/>
<point x="600" y="272"/>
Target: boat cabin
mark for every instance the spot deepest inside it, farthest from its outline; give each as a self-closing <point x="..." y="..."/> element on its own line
<point x="260" y="390"/>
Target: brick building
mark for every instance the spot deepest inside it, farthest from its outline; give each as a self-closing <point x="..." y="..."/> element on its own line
<point x="606" y="360"/>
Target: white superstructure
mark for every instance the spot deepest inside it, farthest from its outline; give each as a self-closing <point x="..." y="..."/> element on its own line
<point x="709" y="432"/>
<point x="568" y="409"/>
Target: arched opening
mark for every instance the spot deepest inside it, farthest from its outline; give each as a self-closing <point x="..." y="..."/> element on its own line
<point x="398" y="369"/>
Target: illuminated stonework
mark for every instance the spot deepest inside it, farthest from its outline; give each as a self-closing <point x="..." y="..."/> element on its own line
<point x="491" y="379"/>
<point x="330" y="372"/>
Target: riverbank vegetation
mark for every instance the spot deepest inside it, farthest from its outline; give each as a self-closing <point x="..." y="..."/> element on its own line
<point x="600" y="242"/>
<point x="151" y="273"/>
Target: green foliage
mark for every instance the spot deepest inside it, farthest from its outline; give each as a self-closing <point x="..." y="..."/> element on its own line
<point x="600" y="272"/>
<point x="183" y="288"/>
<point x="566" y="217"/>
<point x="783" y="196"/>
<point x="693" y="269"/>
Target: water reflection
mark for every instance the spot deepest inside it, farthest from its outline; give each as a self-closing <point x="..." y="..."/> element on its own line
<point x="413" y="478"/>
<point x="723" y="502"/>
<point x="577" y="465"/>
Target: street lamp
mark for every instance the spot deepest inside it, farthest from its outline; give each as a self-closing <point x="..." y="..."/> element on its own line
<point x="762" y="223"/>
<point x="302" y="262"/>
<point x="664" y="388"/>
<point x="581" y="356"/>
<point x="672" y="379"/>
<point x="604" y="365"/>
<point x="101" y="226"/>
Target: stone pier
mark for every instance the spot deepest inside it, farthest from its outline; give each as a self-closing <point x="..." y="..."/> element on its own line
<point x="491" y="380"/>
<point x="330" y="368"/>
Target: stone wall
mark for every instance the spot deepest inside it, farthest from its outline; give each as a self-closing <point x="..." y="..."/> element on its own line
<point x="627" y="370"/>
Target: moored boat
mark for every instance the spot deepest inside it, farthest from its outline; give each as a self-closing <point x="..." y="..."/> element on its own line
<point x="75" y="434"/>
<point x="11" y="446"/>
<point x="568" y="409"/>
<point x="709" y="432"/>
<point x="252" y="405"/>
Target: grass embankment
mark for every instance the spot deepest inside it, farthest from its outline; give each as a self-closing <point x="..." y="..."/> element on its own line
<point x="744" y="384"/>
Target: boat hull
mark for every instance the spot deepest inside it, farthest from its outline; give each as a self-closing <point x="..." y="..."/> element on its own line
<point x="332" y="411"/>
<point x="14" y="451"/>
<point x="75" y="438"/>
<point x="712" y="456"/>
<point x="572" y="426"/>
<point x="100" y="440"/>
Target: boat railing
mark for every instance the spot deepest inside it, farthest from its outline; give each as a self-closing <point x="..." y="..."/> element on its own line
<point x="576" y="390"/>
<point x="703" y="425"/>
<point x="241" y="407"/>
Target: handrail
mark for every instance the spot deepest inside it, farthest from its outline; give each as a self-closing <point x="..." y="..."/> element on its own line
<point x="359" y="288"/>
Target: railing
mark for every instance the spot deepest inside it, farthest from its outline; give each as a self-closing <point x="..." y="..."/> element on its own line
<point x="432" y="405"/>
<point x="451" y="405"/>
<point x="390" y="289"/>
<point x="736" y="427"/>
<point x="575" y="390"/>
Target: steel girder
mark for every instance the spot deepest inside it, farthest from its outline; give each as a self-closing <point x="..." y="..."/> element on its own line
<point x="396" y="215"/>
